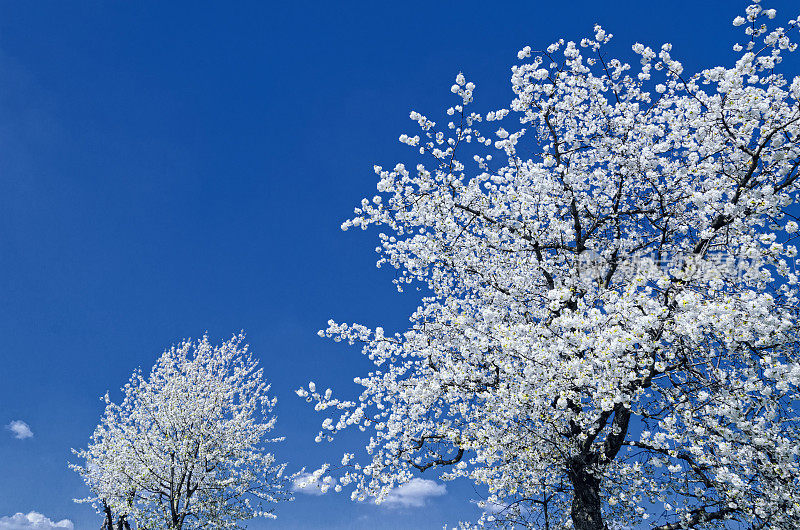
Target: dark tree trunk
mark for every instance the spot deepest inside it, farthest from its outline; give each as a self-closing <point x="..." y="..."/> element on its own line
<point x="587" y="511"/>
<point x="586" y="506"/>
<point x="108" y="522"/>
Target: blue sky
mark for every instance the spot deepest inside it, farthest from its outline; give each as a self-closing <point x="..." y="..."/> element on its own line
<point x="170" y="168"/>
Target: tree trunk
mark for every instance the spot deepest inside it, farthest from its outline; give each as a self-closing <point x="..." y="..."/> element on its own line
<point x="108" y="522"/>
<point x="586" y="511"/>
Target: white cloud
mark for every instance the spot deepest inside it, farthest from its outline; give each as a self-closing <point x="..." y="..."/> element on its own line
<point x="306" y="483"/>
<point x="414" y="493"/>
<point x="491" y="507"/>
<point x="32" y="521"/>
<point x="21" y="430"/>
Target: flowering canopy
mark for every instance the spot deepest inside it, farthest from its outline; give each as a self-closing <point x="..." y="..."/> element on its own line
<point x="186" y="447"/>
<point x="611" y="335"/>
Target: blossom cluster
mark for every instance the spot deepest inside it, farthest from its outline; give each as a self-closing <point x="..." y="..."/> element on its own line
<point x="186" y="446"/>
<point x="554" y="334"/>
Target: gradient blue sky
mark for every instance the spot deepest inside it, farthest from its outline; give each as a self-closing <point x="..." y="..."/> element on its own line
<point x="168" y="168"/>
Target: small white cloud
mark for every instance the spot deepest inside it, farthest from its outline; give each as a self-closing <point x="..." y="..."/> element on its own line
<point x="491" y="507"/>
<point x="414" y="493"/>
<point x="21" y="430"/>
<point x="306" y="484"/>
<point x="32" y="521"/>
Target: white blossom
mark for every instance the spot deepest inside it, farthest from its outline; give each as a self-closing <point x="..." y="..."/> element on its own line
<point x="619" y="265"/>
<point x="186" y="446"/>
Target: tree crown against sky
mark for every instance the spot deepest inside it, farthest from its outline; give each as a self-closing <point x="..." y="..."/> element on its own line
<point x="610" y="334"/>
<point x="187" y="446"/>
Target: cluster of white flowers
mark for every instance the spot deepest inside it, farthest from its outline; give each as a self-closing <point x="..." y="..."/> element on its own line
<point x="185" y="447"/>
<point x="530" y="368"/>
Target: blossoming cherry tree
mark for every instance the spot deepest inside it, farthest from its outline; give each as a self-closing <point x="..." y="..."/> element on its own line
<point x="610" y="332"/>
<point x="186" y="447"/>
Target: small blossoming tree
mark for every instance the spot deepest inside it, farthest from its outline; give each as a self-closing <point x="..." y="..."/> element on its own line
<point x="186" y="448"/>
<point x="611" y="333"/>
